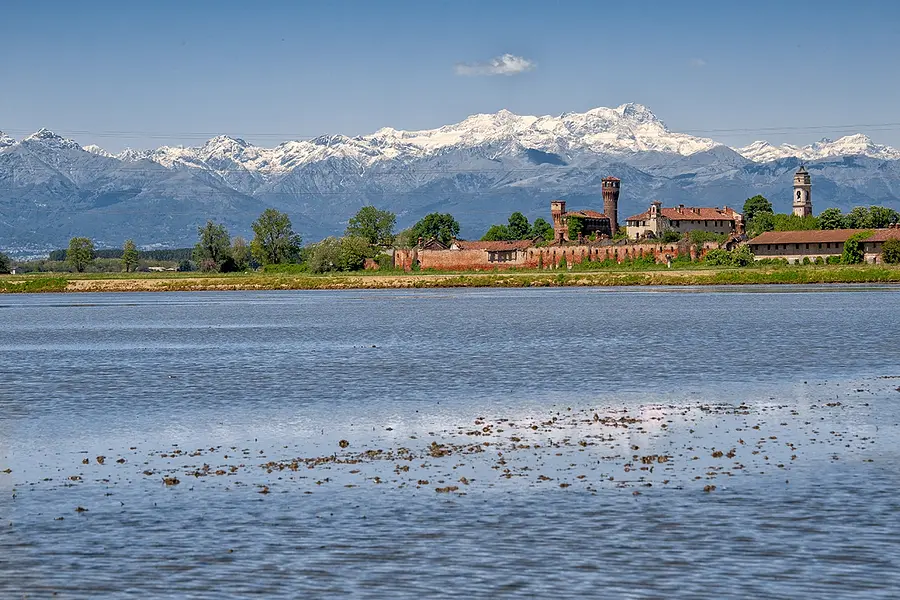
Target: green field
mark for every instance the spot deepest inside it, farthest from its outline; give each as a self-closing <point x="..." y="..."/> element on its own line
<point x="170" y="281"/>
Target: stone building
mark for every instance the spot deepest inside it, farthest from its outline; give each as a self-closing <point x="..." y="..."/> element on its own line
<point x="657" y="220"/>
<point x="802" y="193"/>
<point x="794" y="246"/>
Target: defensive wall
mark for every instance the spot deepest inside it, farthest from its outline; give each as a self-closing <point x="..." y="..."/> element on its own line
<point x="542" y="257"/>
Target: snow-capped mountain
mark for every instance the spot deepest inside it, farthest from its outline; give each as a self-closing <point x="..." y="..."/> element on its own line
<point x="479" y="169"/>
<point x="851" y="145"/>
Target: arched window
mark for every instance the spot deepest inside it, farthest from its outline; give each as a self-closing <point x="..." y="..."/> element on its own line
<point x="798" y="193"/>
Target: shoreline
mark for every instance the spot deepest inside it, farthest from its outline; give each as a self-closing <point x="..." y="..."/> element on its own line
<point x="121" y="282"/>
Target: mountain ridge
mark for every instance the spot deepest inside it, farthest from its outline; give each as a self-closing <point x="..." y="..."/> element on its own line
<point x="480" y="169"/>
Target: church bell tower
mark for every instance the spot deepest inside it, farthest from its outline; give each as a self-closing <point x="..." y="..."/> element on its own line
<point x="802" y="197"/>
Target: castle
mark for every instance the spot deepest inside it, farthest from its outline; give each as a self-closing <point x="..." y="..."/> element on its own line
<point x="590" y="222"/>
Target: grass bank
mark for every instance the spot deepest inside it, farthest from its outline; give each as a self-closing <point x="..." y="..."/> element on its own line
<point x="168" y="282"/>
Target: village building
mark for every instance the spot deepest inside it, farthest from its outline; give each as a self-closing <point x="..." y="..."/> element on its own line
<point x="794" y="246"/>
<point x="655" y="221"/>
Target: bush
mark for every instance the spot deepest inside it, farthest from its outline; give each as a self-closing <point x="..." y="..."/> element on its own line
<point x="670" y="237"/>
<point x="718" y="257"/>
<point x="5" y="263"/>
<point x="890" y="252"/>
<point x="819" y="260"/>
<point x="853" y="250"/>
<point x="833" y="260"/>
<point x="185" y="266"/>
<point x="806" y="260"/>
<point x="286" y="268"/>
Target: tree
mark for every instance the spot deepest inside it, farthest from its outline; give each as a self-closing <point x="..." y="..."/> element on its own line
<point x="5" y="263"/>
<point x="441" y="226"/>
<point x="576" y="226"/>
<point x="519" y="228"/>
<point x="859" y="218"/>
<point x="541" y="229"/>
<point x="792" y="222"/>
<point x="831" y="218"/>
<point x="890" y="251"/>
<point x="325" y="256"/>
<point x="883" y="217"/>
<point x="853" y="250"/>
<point x="497" y="233"/>
<point x="240" y="253"/>
<point x="756" y="205"/>
<point x="80" y="253"/>
<point x="275" y="241"/>
<point x="354" y="250"/>
<point x="376" y="226"/>
<point x="760" y="224"/>
<point x="213" y="248"/>
<point x="185" y="265"/>
<point x="129" y="256"/>
<point x="670" y="237"/>
<point x="405" y="239"/>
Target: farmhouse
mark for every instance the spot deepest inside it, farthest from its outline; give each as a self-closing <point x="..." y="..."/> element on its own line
<point x="794" y="246"/>
<point x="655" y="221"/>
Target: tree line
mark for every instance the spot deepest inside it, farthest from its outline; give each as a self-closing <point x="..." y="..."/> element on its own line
<point x="760" y="217"/>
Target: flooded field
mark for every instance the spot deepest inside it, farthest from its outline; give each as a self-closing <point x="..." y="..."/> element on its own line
<point x="478" y="443"/>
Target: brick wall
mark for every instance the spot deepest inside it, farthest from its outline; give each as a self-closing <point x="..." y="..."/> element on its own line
<point x="548" y="257"/>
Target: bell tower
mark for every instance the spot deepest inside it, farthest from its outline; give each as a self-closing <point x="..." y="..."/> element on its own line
<point x="802" y="197"/>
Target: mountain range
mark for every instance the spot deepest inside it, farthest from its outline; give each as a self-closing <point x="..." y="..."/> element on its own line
<point x="480" y="170"/>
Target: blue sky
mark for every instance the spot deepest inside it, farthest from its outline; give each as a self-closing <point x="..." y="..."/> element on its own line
<point x="145" y="74"/>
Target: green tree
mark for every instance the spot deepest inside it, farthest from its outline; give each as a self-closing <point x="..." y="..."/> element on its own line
<point x="80" y="253"/>
<point x="760" y="224"/>
<point x="324" y="256"/>
<point x="576" y="226"/>
<point x="541" y="229"/>
<point x="497" y="233"/>
<point x="405" y="239"/>
<point x="213" y="248"/>
<point x="185" y="265"/>
<point x="440" y="226"/>
<point x="792" y="222"/>
<point x="859" y="218"/>
<point x="5" y="263"/>
<point x="240" y="253"/>
<point x="756" y="205"/>
<point x="853" y="248"/>
<point x="519" y="228"/>
<point x="376" y="226"/>
<point x="129" y="256"/>
<point x="275" y="241"/>
<point x="890" y="251"/>
<point x="831" y="218"/>
<point x="354" y="250"/>
<point x="883" y="217"/>
<point x="670" y="237"/>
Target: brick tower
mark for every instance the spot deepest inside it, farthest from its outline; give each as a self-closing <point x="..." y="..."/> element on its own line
<point x="802" y="193"/>
<point x="611" y="202"/>
<point x="560" y="227"/>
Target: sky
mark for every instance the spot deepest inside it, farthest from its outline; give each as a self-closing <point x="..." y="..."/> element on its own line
<point x="129" y="74"/>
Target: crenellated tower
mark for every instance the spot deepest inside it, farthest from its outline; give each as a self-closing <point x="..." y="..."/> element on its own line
<point x="611" y="201"/>
<point x="802" y="193"/>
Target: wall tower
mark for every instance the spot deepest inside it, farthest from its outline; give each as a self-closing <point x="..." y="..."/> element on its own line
<point x="802" y="196"/>
<point x="611" y="202"/>
<point x="560" y="227"/>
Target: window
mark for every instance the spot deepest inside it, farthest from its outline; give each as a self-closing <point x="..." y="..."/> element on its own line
<point x="798" y="193"/>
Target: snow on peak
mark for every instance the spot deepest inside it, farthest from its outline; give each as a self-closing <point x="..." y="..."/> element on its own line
<point x="51" y="140"/>
<point x="850" y="145"/>
<point x="6" y="140"/>
<point x="94" y="149"/>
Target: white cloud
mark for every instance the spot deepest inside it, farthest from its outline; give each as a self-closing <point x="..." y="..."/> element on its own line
<point x="507" y="64"/>
<point x="698" y="63"/>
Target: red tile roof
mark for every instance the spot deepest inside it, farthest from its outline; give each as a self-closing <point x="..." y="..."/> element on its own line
<point x="492" y="246"/>
<point x="689" y="213"/>
<point x="882" y="235"/>
<point x="611" y="179"/>
<point x="813" y="236"/>
<point x="587" y="214"/>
